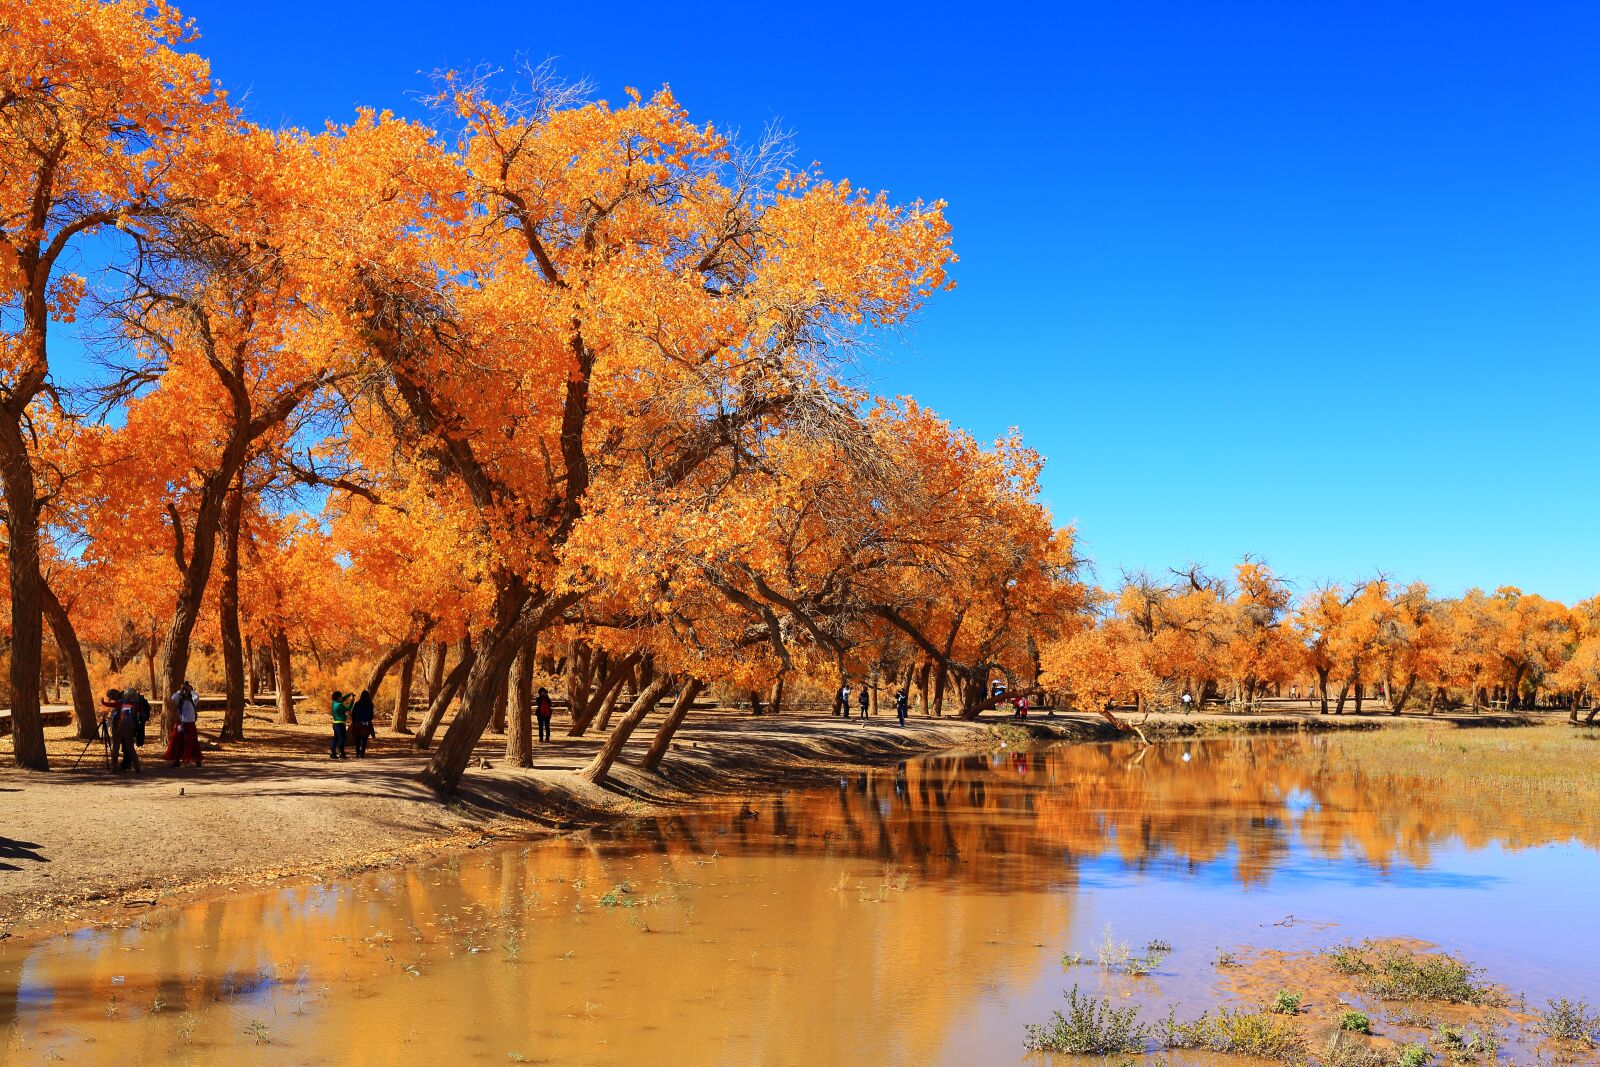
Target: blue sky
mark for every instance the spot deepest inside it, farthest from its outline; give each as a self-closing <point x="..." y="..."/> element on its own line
<point x="1312" y="281"/>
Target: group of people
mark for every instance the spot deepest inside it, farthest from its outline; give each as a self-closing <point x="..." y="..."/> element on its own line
<point x="351" y="715"/>
<point x="127" y="716"/>
<point x="841" y="704"/>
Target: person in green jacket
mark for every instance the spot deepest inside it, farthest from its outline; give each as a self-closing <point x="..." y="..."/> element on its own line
<point x="341" y="718"/>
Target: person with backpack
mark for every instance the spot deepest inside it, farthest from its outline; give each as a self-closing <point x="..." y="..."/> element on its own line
<point x="361" y="716"/>
<point x="185" y="743"/>
<point x="862" y="700"/>
<point x="141" y="713"/>
<point x="121" y="728"/>
<point x="902" y="704"/>
<point x="340" y="712"/>
<point x="543" y="709"/>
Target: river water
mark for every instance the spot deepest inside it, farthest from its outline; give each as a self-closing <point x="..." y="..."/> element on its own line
<point x="910" y="915"/>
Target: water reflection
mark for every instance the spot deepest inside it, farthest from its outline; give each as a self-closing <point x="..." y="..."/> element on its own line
<point x="914" y="914"/>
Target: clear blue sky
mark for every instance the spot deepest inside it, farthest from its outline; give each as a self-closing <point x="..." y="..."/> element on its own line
<point x="1316" y="281"/>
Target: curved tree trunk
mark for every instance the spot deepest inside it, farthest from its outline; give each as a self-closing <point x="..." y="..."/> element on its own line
<point x="520" y="616"/>
<point x="402" y="699"/>
<point x="228" y="612"/>
<point x="1405" y="694"/>
<point x="584" y="715"/>
<point x="679" y="711"/>
<point x="283" y="676"/>
<point x="600" y="766"/>
<point x="380" y="670"/>
<point x="84" y="715"/>
<point x="449" y="684"/>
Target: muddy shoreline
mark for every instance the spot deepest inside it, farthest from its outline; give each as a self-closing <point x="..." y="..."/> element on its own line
<point x="270" y="813"/>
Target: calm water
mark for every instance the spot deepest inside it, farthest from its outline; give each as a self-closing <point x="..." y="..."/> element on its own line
<point x="906" y="916"/>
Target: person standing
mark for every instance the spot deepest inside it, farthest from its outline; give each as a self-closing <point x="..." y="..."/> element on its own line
<point x="841" y="703"/>
<point x="543" y="709"/>
<point x="340" y="713"/>
<point x="141" y="713"/>
<point x="862" y="700"/>
<point x="121" y="728"/>
<point x="902" y="704"/>
<point x="361" y="722"/>
<point x="186" y="736"/>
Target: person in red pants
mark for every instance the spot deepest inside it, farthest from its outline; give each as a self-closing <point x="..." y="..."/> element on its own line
<point x="185" y="743"/>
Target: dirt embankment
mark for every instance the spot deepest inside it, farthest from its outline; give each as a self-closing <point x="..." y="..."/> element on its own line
<point x="80" y="842"/>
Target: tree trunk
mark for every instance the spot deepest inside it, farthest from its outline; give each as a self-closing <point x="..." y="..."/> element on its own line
<point x="84" y="714"/>
<point x="600" y="766"/>
<point x="283" y="676"/>
<point x="1344" y="694"/>
<point x="939" y="682"/>
<point x="398" y="653"/>
<point x="228" y="620"/>
<point x="27" y="600"/>
<point x="519" y="617"/>
<point x="252" y="670"/>
<point x="433" y="671"/>
<point x="519" y="736"/>
<point x="1360" y="691"/>
<point x="679" y="711"/>
<point x="402" y="699"/>
<point x="1322" y="688"/>
<point x="195" y="572"/>
<point x="775" y="697"/>
<point x="449" y="684"/>
<point x="1405" y="694"/>
<point x="583" y="716"/>
<point x="497" y="721"/>
<point x="922" y="687"/>
<point x="156" y="694"/>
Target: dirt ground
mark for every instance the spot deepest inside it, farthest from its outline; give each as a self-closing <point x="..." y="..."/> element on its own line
<point x="78" y="841"/>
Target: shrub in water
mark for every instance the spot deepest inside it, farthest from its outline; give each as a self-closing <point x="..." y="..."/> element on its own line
<point x="1570" y="1020"/>
<point x="1088" y="1027"/>
<point x="1245" y="1033"/>
<point x="1412" y="1056"/>
<point x="1287" y="1003"/>
<point x="1356" y="1022"/>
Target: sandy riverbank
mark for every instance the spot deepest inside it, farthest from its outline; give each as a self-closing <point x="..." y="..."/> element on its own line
<point x="81" y="843"/>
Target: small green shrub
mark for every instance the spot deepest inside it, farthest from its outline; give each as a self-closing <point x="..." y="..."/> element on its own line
<point x="1350" y="959"/>
<point x="1224" y="958"/>
<point x="620" y="896"/>
<point x="1159" y="947"/>
<point x="1355" y="1022"/>
<point x="1346" y="1051"/>
<point x="1398" y="974"/>
<point x="1407" y="976"/>
<point x="1252" y="1033"/>
<point x="1462" y="1045"/>
<point x="1412" y="1056"/>
<point x="1073" y="959"/>
<point x="1287" y="1003"/>
<point x="1088" y="1027"/>
<point x="1570" y="1020"/>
